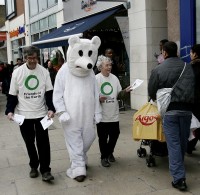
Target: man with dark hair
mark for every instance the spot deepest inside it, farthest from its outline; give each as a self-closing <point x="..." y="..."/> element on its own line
<point x="30" y="95"/>
<point x="110" y="54"/>
<point x="177" y="119"/>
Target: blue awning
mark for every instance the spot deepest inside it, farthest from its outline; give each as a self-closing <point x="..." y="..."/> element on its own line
<point x="60" y="36"/>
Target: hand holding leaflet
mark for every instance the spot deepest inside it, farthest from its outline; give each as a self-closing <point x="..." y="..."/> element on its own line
<point x="46" y="122"/>
<point x="136" y="84"/>
<point x="19" y="119"/>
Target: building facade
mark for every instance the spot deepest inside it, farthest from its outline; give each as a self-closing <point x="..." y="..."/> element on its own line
<point x="149" y="21"/>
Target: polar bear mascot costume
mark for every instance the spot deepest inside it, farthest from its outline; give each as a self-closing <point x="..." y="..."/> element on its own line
<point x="76" y="100"/>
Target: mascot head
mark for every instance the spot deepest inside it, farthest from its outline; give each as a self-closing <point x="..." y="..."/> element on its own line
<point x="82" y="55"/>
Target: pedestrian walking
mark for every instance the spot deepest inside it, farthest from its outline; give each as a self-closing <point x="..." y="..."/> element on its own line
<point x="177" y="119"/>
<point x="108" y="129"/>
<point x="195" y="63"/>
<point x="30" y="95"/>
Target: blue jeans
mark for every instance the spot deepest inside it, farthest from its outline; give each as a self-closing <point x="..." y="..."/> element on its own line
<point x="176" y="126"/>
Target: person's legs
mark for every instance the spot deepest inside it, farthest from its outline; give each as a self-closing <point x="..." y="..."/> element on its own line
<point x="172" y="134"/>
<point x="185" y="122"/>
<point x="43" y="146"/>
<point x="102" y="131"/>
<point x="114" y="132"/>
<point x="28" y="133"/>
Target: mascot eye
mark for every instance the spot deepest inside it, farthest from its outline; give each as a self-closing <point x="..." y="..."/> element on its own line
<point x="80" y="52"/>
<point x="89" y="53"/>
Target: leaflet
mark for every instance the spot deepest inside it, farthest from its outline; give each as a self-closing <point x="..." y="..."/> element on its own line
<point x="46" y="122"/>
<point x="136" y="84"/>
<point x="19" y="119"/>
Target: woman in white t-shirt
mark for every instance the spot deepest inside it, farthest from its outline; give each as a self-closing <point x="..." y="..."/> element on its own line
<point x="108" y="129"/>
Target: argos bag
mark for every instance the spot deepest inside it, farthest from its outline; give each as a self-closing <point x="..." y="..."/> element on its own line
<point x="147" y="123"/>
<point x="163" y="96"/>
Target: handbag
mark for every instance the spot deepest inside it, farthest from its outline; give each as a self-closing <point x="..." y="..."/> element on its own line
<point x="163" y="96"/>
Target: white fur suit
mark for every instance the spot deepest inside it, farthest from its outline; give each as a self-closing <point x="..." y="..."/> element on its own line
<point x="76" y="98"/>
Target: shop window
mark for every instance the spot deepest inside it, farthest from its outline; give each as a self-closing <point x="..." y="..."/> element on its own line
<point x="43" y="24"/>
<point x="42" y="5"/>
<point x="10" y="9"/>
<point x="33" y="7"/>
<point x="34" y="37"/>
<point x="52" y="2"/>
<point x="14" y="44"/>
<point x="35" y="27"/>
<point x="43" y="33"/>
<point x="51" y="30"/>
<point x="52" y="21"/>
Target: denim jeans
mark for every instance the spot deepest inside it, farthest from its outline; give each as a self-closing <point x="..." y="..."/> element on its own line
<point x="176" y="126"/>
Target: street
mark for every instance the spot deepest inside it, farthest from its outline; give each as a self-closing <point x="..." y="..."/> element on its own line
<point x="128" y="175"/>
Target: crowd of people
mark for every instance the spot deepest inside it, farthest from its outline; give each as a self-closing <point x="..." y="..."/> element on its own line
<point x="36" y="104"/>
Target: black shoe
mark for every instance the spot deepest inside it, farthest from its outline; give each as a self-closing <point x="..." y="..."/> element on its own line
<point x="181" y="185"/>
<point x="47" y="176"/>
<point x="111" y="158"/>
<point x="80" y="178"/>
<point x="105" y="163"/>
<point x="33" y="173"/>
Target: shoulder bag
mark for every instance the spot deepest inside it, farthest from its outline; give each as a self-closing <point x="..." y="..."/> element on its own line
<point x="163" y="96"/>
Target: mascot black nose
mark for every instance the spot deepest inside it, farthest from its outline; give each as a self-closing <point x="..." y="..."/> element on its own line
<point x="89" y="66"/>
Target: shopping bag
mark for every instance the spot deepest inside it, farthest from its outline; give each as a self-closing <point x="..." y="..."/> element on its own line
<point x="147" y="123"/>
<point x="163" y="97"/>
<point x="195" y="124"/>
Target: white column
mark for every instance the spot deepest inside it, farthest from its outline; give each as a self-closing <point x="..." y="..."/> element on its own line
<point x="147" y="26"/>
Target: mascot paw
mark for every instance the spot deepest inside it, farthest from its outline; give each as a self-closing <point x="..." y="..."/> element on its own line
<point x="98" y="118"/>
<point x="64" y="117"/>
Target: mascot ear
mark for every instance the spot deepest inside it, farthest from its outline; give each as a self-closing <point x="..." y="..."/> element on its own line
<point x="96" y="41"/>
<point x="73" y="40"/>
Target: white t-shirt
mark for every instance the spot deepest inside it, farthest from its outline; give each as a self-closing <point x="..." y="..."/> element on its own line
<point x="30" y="86"/>
<point x="110" y="87"/>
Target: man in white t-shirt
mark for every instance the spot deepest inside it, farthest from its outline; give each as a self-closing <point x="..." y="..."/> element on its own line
<point x="30" y="95"/>
<point x="108" y="129"/>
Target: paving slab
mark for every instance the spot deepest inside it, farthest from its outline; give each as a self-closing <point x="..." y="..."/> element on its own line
<point x="128" y="175"/>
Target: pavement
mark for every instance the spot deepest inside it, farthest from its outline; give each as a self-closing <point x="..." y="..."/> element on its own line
<point x="128" y="175"/>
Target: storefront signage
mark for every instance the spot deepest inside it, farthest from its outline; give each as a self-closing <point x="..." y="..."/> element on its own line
<point x="18" y="31"/>
<point x="88" y="5"/>
<point x="2" y="36"/>
<point x="73" y="27"/>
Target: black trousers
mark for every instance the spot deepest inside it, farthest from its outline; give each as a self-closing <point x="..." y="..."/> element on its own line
<point x="108" y="134"/>
<point x="32" y="130"/>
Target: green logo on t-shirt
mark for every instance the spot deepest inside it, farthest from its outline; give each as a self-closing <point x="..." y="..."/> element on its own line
<point x="35" y="82"/>
<point x="106" y="88"/>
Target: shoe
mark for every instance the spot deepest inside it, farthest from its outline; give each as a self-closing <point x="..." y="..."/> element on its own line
<point x="105" y="163"/>
<point x="33" y="173"/>
<point x="80" y="178"/>
<point x="47" y="176"/>
<point x="181" y="185"/>
<point x="111" y="158"/>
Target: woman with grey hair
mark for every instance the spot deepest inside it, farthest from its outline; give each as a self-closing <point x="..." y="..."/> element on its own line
<point x="108" y="129"/>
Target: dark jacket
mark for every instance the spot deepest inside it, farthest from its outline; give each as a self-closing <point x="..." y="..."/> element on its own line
<point x="165" y="76"/>
<point x="196" y="68"/>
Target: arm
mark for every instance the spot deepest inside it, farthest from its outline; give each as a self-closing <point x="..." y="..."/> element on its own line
<point x="98" y="109"/>
<point x="12" y="99"/>
<point x="49" y="103"/>
<point x="58" y="92"/>
<point x="153" y="85"/>
<point x="123" y="93"/>
<point x="12" y="102"/>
